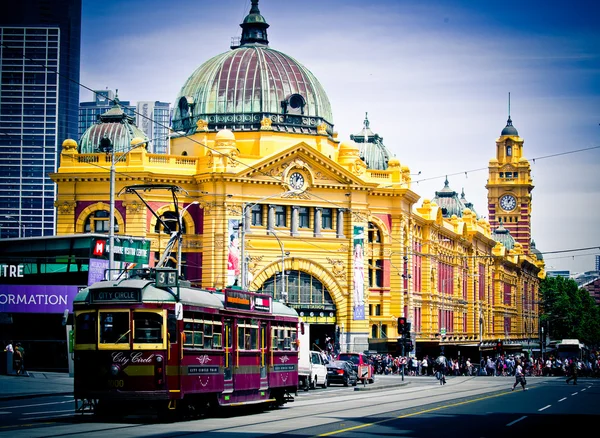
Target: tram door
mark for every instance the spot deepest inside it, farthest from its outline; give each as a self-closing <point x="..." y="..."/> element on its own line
<point x="264" y="382"/>
<point x="228" y="359"/>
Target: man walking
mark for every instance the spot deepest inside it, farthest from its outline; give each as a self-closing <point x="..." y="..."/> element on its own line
<point x="440" y="364"/>
<point x="519" y="377"/>
<point x="573" y="369"/>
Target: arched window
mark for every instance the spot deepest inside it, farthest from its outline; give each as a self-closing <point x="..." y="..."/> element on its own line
<point x="97" y="222"/>
<point x="171" y="220"/>
<point x="302" y="289"/>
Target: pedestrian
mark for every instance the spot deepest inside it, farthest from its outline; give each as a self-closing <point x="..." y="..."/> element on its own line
<point x="19" y="359"/>
<point x="9" y="347"/>
<point x="519" y="377"/>
<point x="440" y="365"/>
<point x="573" y="369"/>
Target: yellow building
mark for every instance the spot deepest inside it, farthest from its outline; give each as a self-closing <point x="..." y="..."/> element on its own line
<point x="267" y="186"/>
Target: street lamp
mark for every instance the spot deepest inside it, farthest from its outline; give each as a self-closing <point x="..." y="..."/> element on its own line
<point x="111" y="220"/>
<point x="19" y="223"/>
<point x="245" y="209"/>
<point x="181" y="236"/>
<point x="283" y="255"/>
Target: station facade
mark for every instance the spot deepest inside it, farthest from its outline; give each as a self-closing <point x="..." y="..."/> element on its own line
<point x="268" y="188"/>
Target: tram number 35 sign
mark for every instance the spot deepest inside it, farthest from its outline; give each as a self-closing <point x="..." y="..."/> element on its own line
<point x="166" y="277"/>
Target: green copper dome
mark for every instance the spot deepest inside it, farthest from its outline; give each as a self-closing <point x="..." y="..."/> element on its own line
<point x="238" y="88"/>
<point x="503" y="236"/>
<point x="372" y="150"/>
<point x="113" y="132"/>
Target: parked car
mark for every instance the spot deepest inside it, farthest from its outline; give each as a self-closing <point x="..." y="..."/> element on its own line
<point x="362" y="365"/>
<point x="341" y="371"/>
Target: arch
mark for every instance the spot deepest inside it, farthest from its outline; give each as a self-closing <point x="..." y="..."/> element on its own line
<point x="188" y="221"/>
<point x="386" y="235"/>
<point x="91" y="209"/>
<point x="337" y="293"/>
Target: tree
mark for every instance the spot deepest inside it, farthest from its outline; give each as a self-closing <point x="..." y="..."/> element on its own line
<point x="568" y="311"/>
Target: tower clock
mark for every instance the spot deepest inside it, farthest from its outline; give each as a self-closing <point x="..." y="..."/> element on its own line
<point x="509" y="187"/>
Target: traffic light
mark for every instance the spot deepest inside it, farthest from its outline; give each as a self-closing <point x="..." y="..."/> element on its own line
<point x="407" y="328"/>
<point x="402" y="325"/>
<point x="408" y="345"/>
<point x="499" y="346"/>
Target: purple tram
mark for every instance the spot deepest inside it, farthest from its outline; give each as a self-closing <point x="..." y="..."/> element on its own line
<point x="137" y="345"/>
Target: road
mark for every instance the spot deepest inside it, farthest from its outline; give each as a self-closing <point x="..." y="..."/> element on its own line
<point x="465" y="407"/>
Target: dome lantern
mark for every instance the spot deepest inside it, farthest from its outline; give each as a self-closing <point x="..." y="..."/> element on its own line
<point x="254" y="27"/>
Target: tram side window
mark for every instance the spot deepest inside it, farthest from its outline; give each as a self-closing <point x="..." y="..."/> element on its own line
<point x="85" y="328"/>
<point x="202" y="334"/>
<point x="114" y="328"/>
<point x="147" y="327"/>
<point x="247" y="337"/>
<point x="284" y="338"/>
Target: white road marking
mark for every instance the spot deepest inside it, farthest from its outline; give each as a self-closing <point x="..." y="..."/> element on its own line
<point x="48" y="412"/>
<point x="46" y="417"/>
<point x="575" y="393"/>
<point x="37" y="404"/>
<point x="5" y="413"/>
<point x="562" y="399"/>
<point x="516" y="421"/>
<point x="544" y="408"/>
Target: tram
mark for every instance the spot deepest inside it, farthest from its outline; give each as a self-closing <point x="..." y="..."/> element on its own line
<point x="139" y="345"/>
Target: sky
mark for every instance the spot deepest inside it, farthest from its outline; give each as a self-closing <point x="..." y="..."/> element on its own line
<point x="433" y="76"/>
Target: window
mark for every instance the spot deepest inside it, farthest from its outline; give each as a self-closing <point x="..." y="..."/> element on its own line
<point x="202" y="332"/>
<point x="85" y="328"/>
<point x="375" y="273"/>
<point x="283" y="338"/>
<point x="280" y="216"/>
<point x="257" y="215"/>
<point x="327" y="219"/>
<point x="172" y="222"/>
<point x="508" y="151"/>
<point x="248" y="335"/>
<point x="114" y="327"/>
<point x="147" y="328"/>
<point x="377" y="309"/>
<point x="97" y="222"/>
<point x="374" y="233"/>
<point x="303" y="217"/>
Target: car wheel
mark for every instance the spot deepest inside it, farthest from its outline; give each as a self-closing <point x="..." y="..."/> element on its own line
<point x="313" y="383"/>
<point x="345" y="381"/>
<point x="355" y="382"/>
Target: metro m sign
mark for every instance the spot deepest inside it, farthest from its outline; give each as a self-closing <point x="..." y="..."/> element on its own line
<point x="99" y="247"/>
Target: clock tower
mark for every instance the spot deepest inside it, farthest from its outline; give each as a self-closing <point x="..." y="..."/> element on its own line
<point x="509" y="187"/>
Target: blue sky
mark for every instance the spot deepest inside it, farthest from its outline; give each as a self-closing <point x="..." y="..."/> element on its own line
<point x="434" y="77"/>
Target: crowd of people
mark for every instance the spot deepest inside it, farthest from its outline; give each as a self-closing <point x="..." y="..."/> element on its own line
<point x="499" y="365"/>
<point x="18" y="356"/>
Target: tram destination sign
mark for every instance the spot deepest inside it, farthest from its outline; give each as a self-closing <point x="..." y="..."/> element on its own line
<point x="120" y="296"/>
<point x="243" y="300"/>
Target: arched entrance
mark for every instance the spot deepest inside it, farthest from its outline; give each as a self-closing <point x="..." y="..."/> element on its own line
<point x="313" y="302"/>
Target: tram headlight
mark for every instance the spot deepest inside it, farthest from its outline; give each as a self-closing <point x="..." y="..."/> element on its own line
<point x="114" y="369"/>
<point x="159" y="359"/>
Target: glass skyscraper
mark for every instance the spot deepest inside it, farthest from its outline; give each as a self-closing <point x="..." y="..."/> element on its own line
<point x="40" y="43"/>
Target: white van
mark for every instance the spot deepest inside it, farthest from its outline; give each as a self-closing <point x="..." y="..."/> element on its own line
<point x="312" y="369"/>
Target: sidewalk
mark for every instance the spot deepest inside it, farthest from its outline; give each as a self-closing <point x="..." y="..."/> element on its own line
<point x="38" y="384"/>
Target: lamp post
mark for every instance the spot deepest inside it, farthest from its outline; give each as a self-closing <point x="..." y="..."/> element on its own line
<point x="180" y="240"/>
<point x="111" y="217"/>
<point x="245" y="209"/>
<point x="283" y="255"/>
<point x="19" y="223"/>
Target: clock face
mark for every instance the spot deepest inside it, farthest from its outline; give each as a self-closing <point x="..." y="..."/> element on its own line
<point x="508" y="202"/>
<point x="296" y="181"/>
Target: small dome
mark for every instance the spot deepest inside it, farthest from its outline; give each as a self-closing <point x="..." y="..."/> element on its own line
<point x="394" y="162"/>
<point x="348" y="145"/>
<point x="113" y="133"/>
<point x="509" y="129"/>
<point x="448" y="201"/>
<point x="372" y="150"/>
<point x="224" y="134"/>
<point x="503" y="236"/>
<point x="69" y="143"/>
<point x="538" y="255"/>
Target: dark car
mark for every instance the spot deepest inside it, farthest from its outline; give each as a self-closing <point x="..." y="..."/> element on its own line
<point x="341" y="371"/>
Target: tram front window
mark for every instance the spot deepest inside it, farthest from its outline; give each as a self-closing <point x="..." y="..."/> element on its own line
<point x="85" y="328"/>
<point x="148" y="327"/>
<point x="114" y="328"/>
